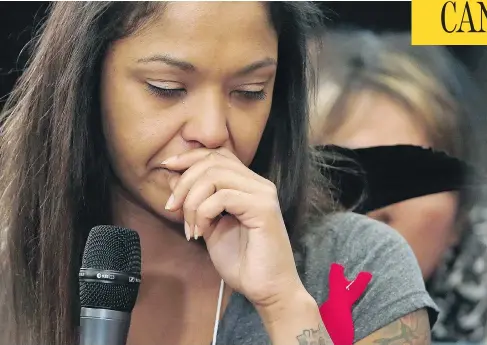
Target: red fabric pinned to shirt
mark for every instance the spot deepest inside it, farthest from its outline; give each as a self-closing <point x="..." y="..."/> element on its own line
<point x="336" y="312"/>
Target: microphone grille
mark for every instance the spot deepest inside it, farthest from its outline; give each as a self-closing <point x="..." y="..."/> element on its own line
<point x="111" y="248"/>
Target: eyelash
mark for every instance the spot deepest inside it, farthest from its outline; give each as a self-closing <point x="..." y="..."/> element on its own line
<point x="253" y="95"/>
<point x="173" y="93"/>
<point x="167" y="93"/>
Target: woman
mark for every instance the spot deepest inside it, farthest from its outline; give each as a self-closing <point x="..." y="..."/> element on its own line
<point x="159" y="117"/>
<point x="380" y="94"/>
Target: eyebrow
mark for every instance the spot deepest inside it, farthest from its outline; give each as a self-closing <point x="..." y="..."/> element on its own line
<point x="256" y="65"/>
<point x="188" y="67"/>
<point x="183" y="65"/>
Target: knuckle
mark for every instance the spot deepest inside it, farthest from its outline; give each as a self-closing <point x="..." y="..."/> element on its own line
<point x="222" y="150"/>
<point x="228" y="192"/>
<point x="228" y="154"/>
<point x="270" y="205"/>
<point x="202" y="216"/>
<point x="272" y="188"/>
<point x="213" y="171"/>
<point x="214" y="155"/>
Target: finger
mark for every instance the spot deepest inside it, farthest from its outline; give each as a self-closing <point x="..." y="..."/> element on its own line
<point x="213" y="180"/>
<point x="232" y="201"/>
<point x="251" y="210"/>
<point x="173" y="181"/>
<point x="217" y="168"/>
<point x="185" y="160"/>
<point x="189" y="177"/>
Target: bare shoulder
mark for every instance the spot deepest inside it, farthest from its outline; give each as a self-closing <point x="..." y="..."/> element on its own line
<point x="412" y="329"/>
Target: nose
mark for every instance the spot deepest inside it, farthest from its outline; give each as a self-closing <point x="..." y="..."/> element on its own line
<point x="207" y="123"/>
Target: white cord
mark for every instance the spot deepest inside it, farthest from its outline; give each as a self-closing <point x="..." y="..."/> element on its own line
<point x="218" y="308"/>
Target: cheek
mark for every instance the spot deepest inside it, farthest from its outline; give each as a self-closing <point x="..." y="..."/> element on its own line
<point x="428" y="225"/>
<point x="246" y="132"/>
<point x="133" y="128"/>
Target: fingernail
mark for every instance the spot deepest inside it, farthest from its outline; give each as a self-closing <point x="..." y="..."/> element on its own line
<point x="196" y="234"/>
<point x="169" y="160"/>
<point x="187" y="231"/>
<point x="170" y="202"/>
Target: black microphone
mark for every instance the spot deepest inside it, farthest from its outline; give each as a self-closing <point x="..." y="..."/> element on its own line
<point x="109" y="281"/>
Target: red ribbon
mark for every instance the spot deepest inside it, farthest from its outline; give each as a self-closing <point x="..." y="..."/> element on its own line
<point x="336" y="312"/>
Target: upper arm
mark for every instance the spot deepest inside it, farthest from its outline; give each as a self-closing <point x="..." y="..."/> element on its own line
<point x="397" y="287"/>
<point x="412" y="329"/>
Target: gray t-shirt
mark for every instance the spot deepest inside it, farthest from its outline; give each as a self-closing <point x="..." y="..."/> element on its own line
<point x="359" y="244"/>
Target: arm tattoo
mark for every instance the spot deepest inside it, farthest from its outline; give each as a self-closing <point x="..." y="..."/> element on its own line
<point x="412" y="329"/>
<point x="315" y="337"/>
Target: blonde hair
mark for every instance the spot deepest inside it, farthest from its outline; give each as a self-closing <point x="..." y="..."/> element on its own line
<point x="428" y="81"/>
<point x="354" y="61"/>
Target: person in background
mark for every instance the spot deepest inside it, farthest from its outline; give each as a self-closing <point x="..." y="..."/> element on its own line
<point x="379" y="91"/>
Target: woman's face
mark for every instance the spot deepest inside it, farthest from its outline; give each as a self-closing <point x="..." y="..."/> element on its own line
<point x="427" y="222"/>
<point x="201" y="74"/>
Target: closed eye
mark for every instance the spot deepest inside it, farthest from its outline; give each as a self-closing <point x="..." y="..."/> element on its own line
<point x="252" y="95"/>
<point x="174" y="92"/>
<point x="251" y="91"/>
<point x="166" y="92"/>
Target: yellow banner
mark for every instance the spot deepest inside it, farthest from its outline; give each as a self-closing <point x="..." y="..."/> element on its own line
<point x="442" y="22"/>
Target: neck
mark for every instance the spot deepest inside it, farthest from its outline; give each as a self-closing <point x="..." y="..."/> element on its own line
<point x="177" y="298"/>
<point x="166" y="254"/>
